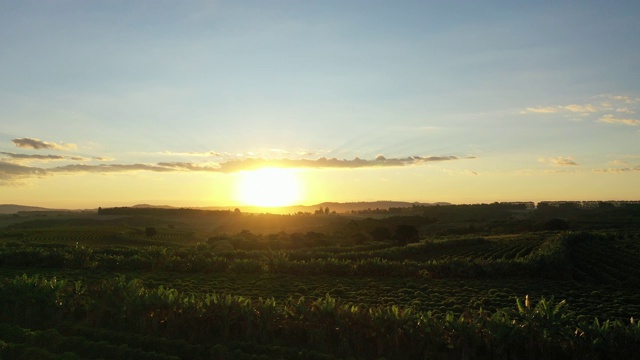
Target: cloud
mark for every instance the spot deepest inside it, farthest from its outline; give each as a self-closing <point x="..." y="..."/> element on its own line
<point x="559" y="161"/>
<point x="611" y="119"/>
<point x="622" y="98"/>
<point x="618" y="170"/>
<point x="13" y="171"/>
<point x="33" y="157"/>
<point x="10" y="173"/>
<point x="37" y="144"/>
<point x="618" y="162"/>
<point x="540" y="110"/>
<point x="575" y="108"/>
<point x="189" y="153"/>
<point x="106" y="168"/>
<point x="379" y="161"/>
<point x="572" y="108"/>
<point x="602" y="111"/>
<point x="39" y="157"/>
<point x="559" y="171"/>
<point x="102" y="158"/>
<point x="188" y="166"/>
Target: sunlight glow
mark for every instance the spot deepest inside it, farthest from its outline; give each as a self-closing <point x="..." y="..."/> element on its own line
<point x="269" y="187"/>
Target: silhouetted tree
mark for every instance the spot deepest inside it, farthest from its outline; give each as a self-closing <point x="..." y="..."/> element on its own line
<point x="380" y="233"/>
<point x="406" y="234"/>
<point x="556" y="224"/>
<point x="358" y="238"/>
<point x="150" y="231"/>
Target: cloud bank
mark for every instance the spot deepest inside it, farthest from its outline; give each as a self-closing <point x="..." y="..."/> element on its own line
<point x="11" y="172"/>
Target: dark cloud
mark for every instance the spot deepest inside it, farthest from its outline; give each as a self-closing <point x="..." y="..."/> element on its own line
<point x="379" y="161"/>
<point x="37" y="144"/>
<point x="33" y="157"/>
<point x="619" y="170"/>
<point x="107" y="168"/>
<point x="10" y="172"/>
<point x="565" y="162"/>
<point x="42" y="157"/>
<point x="188" y="166"/>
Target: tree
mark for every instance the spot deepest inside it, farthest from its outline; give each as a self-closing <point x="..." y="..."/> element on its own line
<point x="406" y="234"/>
<point x="556" y="224"/>
<point x="150" y="231"/>
<point x="358" y="238"/>
<point x="380" y="233"/>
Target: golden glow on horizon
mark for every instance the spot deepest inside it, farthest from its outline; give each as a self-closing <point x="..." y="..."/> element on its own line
<point x="269" y="187"/>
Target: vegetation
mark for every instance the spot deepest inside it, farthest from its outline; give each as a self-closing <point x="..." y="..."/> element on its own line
<point x="417" y="283"/>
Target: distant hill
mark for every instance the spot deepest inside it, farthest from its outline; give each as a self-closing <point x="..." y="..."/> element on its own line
<point x="355" y="206"/>
<point x="13" y="209"/>
<point x="338" y="207"/>
<point x="148" y="206"/>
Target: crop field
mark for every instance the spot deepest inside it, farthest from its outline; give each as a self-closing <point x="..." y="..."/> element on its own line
<point x="123" y="291"/>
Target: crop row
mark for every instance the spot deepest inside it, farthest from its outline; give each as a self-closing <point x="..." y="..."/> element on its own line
<point x="430" y="295"/>
<point x="71" y="341"/>
<point x="594" y="257"/>
<point x="475" y="258"/>
<point x="607" y="259"/>
<point x="105" y="237"/>
<point x="328" y="325"/>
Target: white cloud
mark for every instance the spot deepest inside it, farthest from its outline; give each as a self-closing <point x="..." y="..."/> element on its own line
<point x="559" y="161"/>
<point x="540" y="110"/>
<point x="612" y="119"/>
<point x="605" y="111"/>
<point x="618" y="162"/>
<point x="575" y="108"/>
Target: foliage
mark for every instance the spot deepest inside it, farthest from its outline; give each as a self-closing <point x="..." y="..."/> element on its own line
<point x="325" y="325"/>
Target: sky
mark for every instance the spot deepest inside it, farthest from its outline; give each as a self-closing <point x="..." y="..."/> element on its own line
<point x="116" y="103"/>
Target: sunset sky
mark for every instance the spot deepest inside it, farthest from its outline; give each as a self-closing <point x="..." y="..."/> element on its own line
<point x="115" y="103"/>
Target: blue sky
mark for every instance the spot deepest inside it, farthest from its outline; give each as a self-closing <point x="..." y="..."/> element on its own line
<point x="543" y="93"/>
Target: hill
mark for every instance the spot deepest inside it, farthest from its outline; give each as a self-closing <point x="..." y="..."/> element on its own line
<point x="338" y="207"/>
<point x="13" y="209"/>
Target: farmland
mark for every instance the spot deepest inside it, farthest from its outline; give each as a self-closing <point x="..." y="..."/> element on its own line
<point x="135" y="283"/>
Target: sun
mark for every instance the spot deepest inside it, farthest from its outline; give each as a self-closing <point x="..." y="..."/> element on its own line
<point x="269" y="187"/>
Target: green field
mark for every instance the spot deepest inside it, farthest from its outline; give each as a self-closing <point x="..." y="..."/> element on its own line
<point x="322" y="287"/>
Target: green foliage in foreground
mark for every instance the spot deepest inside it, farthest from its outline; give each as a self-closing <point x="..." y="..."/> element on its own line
<point x="224" y="326"/>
